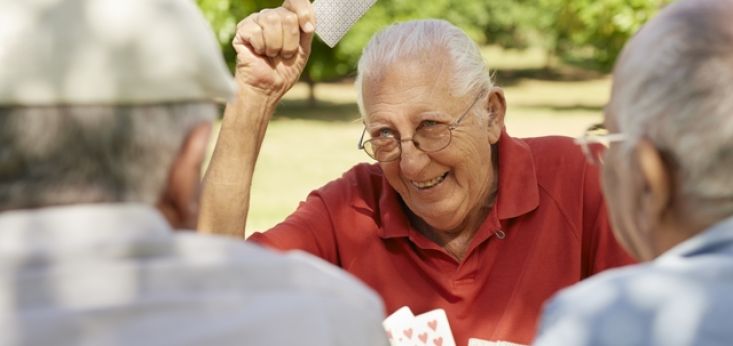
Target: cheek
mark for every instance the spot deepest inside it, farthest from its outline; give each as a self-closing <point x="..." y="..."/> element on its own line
<point x="392" y="173"/>
<point x="472" y="164"/>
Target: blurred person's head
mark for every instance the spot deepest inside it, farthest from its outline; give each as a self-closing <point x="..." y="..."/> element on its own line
<point x="426" y="81"/>
<point x="106" y="101"/>
<point x="672" y="175"/>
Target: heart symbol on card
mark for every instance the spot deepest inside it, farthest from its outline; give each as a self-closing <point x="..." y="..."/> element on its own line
<point x="389" y="334"/>
<point x="438" y="341"/>
<point x="423" y="337"/>
<point x="408" y="333"/>
<point x="433" y="324"/>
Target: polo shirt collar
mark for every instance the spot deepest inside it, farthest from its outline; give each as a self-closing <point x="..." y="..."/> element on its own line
<point x="517" y="193"/>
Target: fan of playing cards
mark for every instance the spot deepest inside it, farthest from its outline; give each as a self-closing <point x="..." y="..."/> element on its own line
<point x="431" y="328"/>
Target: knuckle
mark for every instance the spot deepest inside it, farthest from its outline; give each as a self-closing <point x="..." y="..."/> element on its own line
<point x="290" y="18"/>
<point x="254" y="29"/>
<point x="304" y="15"/>
<point x="245" y="22"/>
<point x="272" y="18"/>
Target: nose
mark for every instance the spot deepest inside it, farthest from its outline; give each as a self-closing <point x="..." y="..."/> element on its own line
<point x="412" y="160"/>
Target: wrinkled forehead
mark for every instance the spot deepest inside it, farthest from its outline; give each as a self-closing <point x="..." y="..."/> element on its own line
<point x="411" y="80"/>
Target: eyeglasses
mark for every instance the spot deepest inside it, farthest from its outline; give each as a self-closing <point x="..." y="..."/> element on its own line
<point x="595" y="141"/>
<point x="429" y="137"/>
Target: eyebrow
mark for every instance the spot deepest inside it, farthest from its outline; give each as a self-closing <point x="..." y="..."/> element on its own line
<point x="433" y="114"/>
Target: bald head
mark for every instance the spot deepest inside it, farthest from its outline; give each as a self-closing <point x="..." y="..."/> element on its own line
<point x="673" y="86"/>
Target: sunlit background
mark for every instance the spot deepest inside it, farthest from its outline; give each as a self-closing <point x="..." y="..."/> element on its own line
<point x="552" y="57"/>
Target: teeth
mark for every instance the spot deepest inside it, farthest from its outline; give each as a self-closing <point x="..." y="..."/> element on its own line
<point x="430" y="183"/>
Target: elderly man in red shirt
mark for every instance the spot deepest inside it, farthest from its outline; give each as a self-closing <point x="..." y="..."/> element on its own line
<point x="456" y="214"/>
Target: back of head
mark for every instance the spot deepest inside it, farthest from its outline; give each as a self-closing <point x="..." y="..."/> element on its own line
<point x="59" y="155"/>
<point x="404" y="43"/>
<point x="673" y="86"/>
<point x="97" y="96"/>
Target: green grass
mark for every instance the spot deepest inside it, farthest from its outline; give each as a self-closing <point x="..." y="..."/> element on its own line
<point x="307" y="147"/>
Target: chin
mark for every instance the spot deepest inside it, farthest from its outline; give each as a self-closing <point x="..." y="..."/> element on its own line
<point x="444" y="213"/>
<point x="447" y="224"/>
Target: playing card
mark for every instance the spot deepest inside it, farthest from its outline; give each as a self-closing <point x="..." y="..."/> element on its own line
<point x="398" y="326"/>
<point x="432" y="329"/>
<point x="335" y="17"/>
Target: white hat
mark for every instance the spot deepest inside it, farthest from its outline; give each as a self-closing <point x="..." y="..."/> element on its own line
<point x="108" y="52"/>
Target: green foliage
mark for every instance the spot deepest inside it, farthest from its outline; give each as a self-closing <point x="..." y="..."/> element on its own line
<point x="486" y="22"/>
<point x="593" y="31"/>
<point x="582" y="31"/>
<point x="223" y="15"/>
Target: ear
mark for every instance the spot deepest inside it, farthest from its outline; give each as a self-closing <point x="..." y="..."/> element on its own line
<point x="656" y="190"/>
<point x="496" y="107"/>
<point x="179" y="202"/>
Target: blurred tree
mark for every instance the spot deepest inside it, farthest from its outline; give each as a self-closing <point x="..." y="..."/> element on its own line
<point x="592" y="32"/>
<point x="579" y="31"/>
<point x="224" y="16"/>
<point x="479" y="19"/>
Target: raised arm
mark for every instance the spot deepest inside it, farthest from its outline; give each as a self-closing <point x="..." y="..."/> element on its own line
<point x="272" y="48"/>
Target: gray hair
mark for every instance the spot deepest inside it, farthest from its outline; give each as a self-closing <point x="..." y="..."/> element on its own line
<point x="398" y="41"/>
<point x="675" y="87"/>
<point x="56" y="155"/>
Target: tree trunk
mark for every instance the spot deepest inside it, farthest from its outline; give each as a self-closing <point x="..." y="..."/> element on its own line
<point x="549" y="58"/>
<point x="311" y="90"/>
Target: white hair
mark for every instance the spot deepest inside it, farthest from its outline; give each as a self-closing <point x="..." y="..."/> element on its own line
<point x="56" y="155"/>
<point x="675" y="88"/>
<point x="396" y="42"/>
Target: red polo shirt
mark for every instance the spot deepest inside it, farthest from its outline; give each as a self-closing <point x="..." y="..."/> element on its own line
<point x="547" y="230"/>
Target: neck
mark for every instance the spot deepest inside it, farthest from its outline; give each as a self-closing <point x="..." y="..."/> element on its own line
<point x="457" y="240"/>
<point x="675" y="228"/>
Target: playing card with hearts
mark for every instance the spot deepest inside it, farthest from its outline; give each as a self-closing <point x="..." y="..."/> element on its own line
<point x="428" y="329"/>
<point x="399" y="328"/>
<point x="335" y="17"/>
<point x="432" y="329"/>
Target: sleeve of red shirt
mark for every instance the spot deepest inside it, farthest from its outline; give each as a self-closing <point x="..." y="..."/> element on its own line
<point x="309" y="228"/>
<point x="600" y="250"/>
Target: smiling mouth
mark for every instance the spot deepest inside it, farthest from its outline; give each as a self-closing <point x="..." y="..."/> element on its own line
<point x="424" y="185"/>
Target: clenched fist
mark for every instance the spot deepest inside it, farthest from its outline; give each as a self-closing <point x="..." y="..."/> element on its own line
<point x="273" y="46"/>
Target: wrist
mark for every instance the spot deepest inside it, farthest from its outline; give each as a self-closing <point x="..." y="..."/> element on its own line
<point x="250" y="110"/>
<point x="261" y="88"/>
<point x="251" y="94"/>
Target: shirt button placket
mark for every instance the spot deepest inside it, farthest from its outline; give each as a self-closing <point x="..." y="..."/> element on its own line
<point x="500" y="234"/>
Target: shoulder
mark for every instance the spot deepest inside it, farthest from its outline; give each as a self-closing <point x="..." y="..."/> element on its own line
<point x="291" y="285"/>
<point x="634" y="305"/>
<point x="555" y="152"/>
<point x="362" y="186"/>
<point x="293" y="270"/>
<point x="563" y="171"/>
<point x="564" y="175"/>
<point x="360" y="175"/>
<point x="584" y="313"/>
